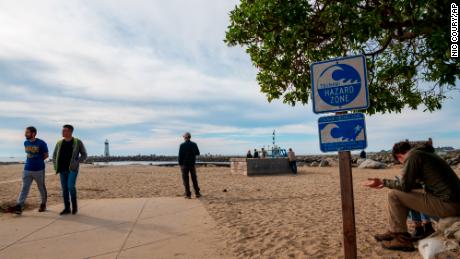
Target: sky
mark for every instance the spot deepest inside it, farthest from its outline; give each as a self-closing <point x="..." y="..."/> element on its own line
<point x="141" y="72"/>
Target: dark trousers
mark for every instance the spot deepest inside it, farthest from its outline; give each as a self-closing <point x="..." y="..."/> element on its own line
<point x="186" y="169"/>
<point x="293" y="166"/>
<point x="68" y="180"/>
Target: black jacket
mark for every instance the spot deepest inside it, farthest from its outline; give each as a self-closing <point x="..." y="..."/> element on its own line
<point x="188" y="152"/>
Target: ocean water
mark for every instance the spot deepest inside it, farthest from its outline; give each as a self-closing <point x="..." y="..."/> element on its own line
<point x="21" y="159"/>
<point x="115" y="163"/>
<point x="118" y="163"/>
<point x="136" y="163"/>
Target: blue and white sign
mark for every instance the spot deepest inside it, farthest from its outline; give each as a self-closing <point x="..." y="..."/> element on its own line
<point x="339" y="84"/>
<point x="342" y="132"/>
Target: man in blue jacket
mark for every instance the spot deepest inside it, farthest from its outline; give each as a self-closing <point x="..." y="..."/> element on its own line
<point x="187" y="159"/>
<point x="34" y="169"/>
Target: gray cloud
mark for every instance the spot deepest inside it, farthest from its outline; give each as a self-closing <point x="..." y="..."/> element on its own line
<point x="141" y="72"/>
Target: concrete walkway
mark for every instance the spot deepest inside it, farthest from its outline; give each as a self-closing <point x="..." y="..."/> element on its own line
<point x="114" y="228"/>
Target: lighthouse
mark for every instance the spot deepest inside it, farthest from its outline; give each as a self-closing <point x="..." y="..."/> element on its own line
<point x="106" y="150"/>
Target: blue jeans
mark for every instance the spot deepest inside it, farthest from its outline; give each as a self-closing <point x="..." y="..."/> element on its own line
<point x="68" y="181"/>
<point x="27" y="178"/>
<point x="416" y="216"/>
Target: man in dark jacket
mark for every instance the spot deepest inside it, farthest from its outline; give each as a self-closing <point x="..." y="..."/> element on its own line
<point x="256" y="153"/>
<point x="440" y="198"/>
<point x="187" y="159"/>
<point x="68" y="154"/>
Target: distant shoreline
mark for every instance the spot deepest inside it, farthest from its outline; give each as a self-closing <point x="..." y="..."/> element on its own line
<point x="154" y="158"/>
<point x="382" y="156"/>
<point x="11" y="163"/>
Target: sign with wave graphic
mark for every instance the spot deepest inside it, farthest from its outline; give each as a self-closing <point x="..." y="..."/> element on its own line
<point x="342" y="132"/>
<point x="340" y="84"/>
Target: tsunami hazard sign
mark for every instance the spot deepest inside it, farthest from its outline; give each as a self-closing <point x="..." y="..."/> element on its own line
<point x="340" y="84"/>
<point x="342" y="132"/>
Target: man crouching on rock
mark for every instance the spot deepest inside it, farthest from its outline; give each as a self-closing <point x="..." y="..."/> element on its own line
<point x="440" y="198"/>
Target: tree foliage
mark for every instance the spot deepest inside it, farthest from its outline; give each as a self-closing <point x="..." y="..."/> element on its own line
<point x="405" y="42"/>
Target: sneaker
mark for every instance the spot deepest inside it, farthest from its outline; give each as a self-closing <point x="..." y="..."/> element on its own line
<point x="387" y="236"/>
<point x="401" y="242"/>
<point x="16" y="209"/>
<point x="65" y="212"/>
<point x="198" y="195"/>
<point x="42" y="208"/>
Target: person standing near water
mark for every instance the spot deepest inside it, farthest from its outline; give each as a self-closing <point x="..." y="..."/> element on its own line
<point x="292" y="161"/>
<point x="34" y="169"/>
<point x="263" y="153"/>
<point x="68" y="154"/>
<point x="188" y="151"/>
<point x="256" y="153"/>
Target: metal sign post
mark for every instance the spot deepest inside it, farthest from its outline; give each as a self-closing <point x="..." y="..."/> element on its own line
<point x="340" y="85"/>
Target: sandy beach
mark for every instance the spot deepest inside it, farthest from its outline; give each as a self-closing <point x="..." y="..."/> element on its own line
<point x="282" y="216"/>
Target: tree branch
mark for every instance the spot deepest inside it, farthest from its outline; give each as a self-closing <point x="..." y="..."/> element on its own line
<point x="384" y="46"/>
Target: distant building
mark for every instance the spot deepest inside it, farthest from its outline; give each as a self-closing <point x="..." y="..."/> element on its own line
<point x="106" y="150"/>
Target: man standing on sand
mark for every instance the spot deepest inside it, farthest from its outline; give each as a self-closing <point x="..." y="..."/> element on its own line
<point x="292" y="161"/>
<point x="187" y="159"/>
<point x="34" y="169"/>
<point x="440" y="198"/>
<point x="68" y="154"/>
